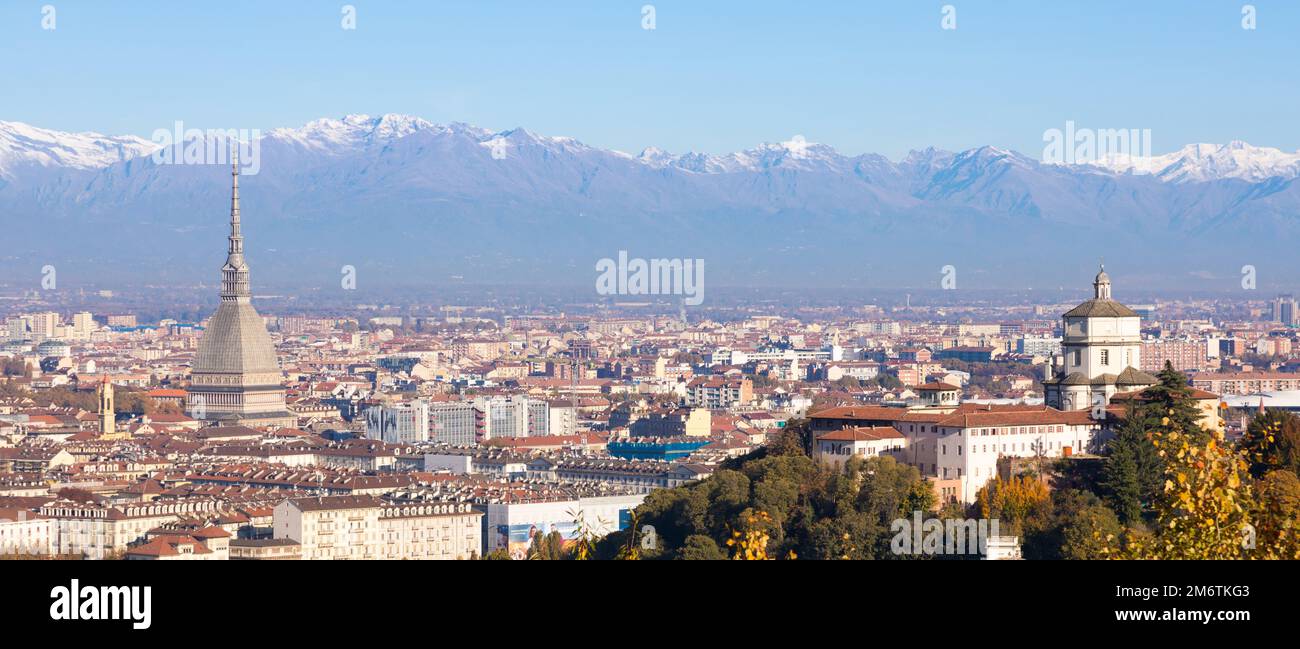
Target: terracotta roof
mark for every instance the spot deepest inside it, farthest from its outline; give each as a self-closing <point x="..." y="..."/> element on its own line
<point x="1017" y="418"/>
<point x="937" y="385"/>
<point x="866" y="434"/>
<point x="166" y="546"/>
<point x="879" y="413"/>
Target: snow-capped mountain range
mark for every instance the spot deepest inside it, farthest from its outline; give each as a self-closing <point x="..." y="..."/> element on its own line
<point x="440" y="197"/>
<point x="1205" y="162"/>
<point x="23" y="143"/>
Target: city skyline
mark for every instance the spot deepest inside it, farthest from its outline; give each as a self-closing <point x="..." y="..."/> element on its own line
<point x="909" y="287"/>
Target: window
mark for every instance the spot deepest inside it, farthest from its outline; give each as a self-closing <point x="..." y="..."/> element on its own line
<point x="1105" y="357"/>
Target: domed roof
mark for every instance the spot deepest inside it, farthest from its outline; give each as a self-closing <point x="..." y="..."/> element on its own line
<point x="1101" y="309"/>
<point x="235" y="341"/>
<point x="1101" y="305"/>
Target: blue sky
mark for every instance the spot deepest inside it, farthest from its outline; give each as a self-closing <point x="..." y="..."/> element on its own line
<point x="714" y="76"/>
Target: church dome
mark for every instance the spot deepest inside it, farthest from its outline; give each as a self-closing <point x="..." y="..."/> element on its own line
<point x="235" y="341"/>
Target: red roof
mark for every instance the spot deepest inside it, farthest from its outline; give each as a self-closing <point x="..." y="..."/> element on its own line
<point x="870" y="434"/>
<point x="937" y="385"/>
<point x="861" y="412"/>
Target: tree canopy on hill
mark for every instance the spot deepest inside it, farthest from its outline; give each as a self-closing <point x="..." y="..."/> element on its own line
<point x="807" y="509"/>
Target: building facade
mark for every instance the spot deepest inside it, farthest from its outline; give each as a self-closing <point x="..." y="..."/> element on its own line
<point x="1100" y="353"/>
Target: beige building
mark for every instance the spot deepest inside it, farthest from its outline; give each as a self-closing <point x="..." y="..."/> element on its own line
<point x="365" y="527"/>
<point x="98" y="531"/>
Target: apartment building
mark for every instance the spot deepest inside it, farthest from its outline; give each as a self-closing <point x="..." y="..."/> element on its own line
<point x="717" y="393"/>
<point x="1225" y="383"/>
<point x="366" y="527"/>
<point x="1184" y="355"/>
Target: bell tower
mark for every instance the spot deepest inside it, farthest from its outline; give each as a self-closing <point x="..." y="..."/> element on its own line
<point x="107" y="420"/>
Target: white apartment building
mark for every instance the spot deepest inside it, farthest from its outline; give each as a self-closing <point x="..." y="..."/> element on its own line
<point x="17" y="327"/>
<point x="365" y="527"/>
<point x="404" y="423"/>
<point x="45" y="325"/>
<point x="454" y="422"/>
<point x="24" y="532"/>
<point x="1038" y="345"/>
<point x="562" y="418"/>
<point x="436" y="530"/>
<point x="463" y="423"/>
<point x="514" y="416"/>
<point x="98" y="531"/>
<point x="83" y="324"/>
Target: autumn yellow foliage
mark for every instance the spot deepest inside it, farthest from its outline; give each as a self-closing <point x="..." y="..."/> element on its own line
<point x="1208" y="508"/>
<point x="750" y="542"/>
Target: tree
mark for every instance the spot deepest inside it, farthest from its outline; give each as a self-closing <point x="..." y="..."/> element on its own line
<point x="16" y="367"/>
<point x="750" y="542"/>
<point x="1132" y="474"/>
<point x="1014" y="501"/>
<point x="1272" y="442"/>
<point x="1088" y="532"/>
<point x="799" y="508"/>
<point x="1204" y="506"/>
<point x="699" y="547"/>
<point x="1276" y="515"/>
<point x="547" y="547"/>
<point x="1065" y="532"/>
<point x="1172" y="398"/>
<point x="795" y="439"/>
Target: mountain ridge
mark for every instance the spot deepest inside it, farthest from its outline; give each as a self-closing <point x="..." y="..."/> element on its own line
<point x="456" y="199"/>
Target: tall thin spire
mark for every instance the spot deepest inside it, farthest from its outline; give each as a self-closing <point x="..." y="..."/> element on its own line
<point x="234" y="275"/>
<point x="234" y="193"/>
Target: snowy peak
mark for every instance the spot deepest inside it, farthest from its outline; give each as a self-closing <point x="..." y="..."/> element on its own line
<point x="352" y="131"/>
<point x="24" y="144"/>
<point x="1204" y="162"/>
<point x="795" y="153"/>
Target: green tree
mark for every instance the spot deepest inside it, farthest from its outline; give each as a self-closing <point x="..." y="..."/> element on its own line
<point x="1272" y="442"/>
<point x="699" y="547"/>
<point x="1172" y="398"/>
<point x="1277" y="514"/>
<point x="1133" y="472"/>
<point x="1088" y="533"/>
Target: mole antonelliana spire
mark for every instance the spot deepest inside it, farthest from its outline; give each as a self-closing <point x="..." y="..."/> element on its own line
<point x="234" y="275"/>
<point x="236" y="379"/>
